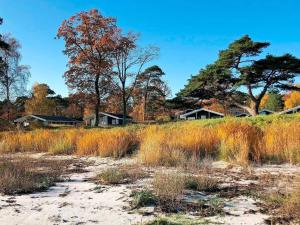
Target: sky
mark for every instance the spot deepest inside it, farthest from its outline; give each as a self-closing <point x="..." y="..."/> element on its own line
<point x="189" y="33"/>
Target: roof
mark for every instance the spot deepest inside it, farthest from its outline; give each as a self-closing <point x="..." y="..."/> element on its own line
<point x="199" y="110"/>
<point x="47" y="118"/>
<point x="243" y="114"/>
<point x="115" y="115"/>
<point x="291" y="110"/>
<point x="266" y="110"/>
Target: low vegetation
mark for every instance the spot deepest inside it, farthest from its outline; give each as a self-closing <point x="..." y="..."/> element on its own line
<point x="143" y="198"/>
<point x="201" y="183"/>
<point x="178" y="220"/>
<point x="124" y="174"/>
<point x="24" y="175"/>
<point x="258" y="139"/>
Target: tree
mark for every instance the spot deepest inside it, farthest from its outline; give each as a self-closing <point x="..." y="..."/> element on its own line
<point x="76" y="105"/>
<point x="3" y="47"/>
<point x="129" y="61"/>
<point x="292" y="99"/>
<point x="39" y="103"/>
<point x="153" y="90"/>
<point x="89" y="41"/>
<point x="14" y="77"/>
<point x="3" y="44"/>
<point x="239" y="77"/>
<point x="272" y="101"/>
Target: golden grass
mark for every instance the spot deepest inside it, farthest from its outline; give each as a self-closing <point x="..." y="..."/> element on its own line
<point x="113" y="142"/>
<point x="282" y="141"/>
<point x="240" y="140"/>
<point x="173" y="145"/>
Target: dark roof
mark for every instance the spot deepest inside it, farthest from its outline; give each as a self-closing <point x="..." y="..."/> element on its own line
<point x="56" y="118"/>
<point x="292" y="110"/>
<point x="48" y="118"/>
<point x="198" y="110"/>
<point x="120" y="116"/>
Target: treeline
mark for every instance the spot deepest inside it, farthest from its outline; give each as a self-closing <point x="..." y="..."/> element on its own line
<point x="106" y="71"/>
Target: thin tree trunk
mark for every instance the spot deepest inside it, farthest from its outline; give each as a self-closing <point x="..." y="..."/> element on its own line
<point x="124" y="104"/>
<point x="97" y="105"/>
<point x="145" y="107"/>
<point x="7" y="99"/>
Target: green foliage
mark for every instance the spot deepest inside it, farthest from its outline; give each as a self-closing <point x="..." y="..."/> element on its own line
<point x="178" y="219"/>
<point x="238" y="68"/>
<point x="143" y="198"/>
<point x="274" y="102"/>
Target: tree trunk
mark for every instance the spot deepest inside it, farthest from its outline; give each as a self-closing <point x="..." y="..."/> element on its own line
<point x="97" y="105"/>
<point x="124" y="104"/>
<point x="145" y="107"/>
<point x="7" y="99"/>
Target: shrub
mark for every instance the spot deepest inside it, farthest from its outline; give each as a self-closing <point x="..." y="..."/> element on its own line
<point x="22" y="176"/>
<point x="168" y="187"/>
<point x="291" y="205"/>
<point x="201" y="183"/>
<point x="143" y="198"/>
<point x="121" y="175"/>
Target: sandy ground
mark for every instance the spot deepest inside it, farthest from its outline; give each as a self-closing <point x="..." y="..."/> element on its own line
<point x="80" y="201"/>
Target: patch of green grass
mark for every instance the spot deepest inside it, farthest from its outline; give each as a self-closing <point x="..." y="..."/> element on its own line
<point x="178" y="220"/>
<point x="121" y="175"/>
<point x="143" y="198"/>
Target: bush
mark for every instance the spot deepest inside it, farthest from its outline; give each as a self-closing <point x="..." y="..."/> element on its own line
<point x="121" y="175"/>
<point x="143" y="198"/>
<point x="168" y="187"/>
<point x="201" y="183"/>
<point x="21" y="176"/>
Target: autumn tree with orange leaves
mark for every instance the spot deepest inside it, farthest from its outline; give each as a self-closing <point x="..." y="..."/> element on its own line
<point x="89" y="42"/>
<point x="292" y="99"/>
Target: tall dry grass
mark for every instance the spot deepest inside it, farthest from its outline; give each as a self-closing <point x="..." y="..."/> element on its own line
<point x="234" y="140"/>
<point x="163" y="145"/>
<point x="282" y="142"/>
<point x="113" y="142"/>
<point x="238" y="140"/>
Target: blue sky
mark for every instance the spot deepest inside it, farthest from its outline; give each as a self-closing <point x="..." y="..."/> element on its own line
<point x="189" y="33"/>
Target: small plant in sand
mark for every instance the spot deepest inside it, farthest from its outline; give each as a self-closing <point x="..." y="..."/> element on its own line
<point x="125" y="174"/>
<point x="143" y="198"/>
<point x="201" y="183"/>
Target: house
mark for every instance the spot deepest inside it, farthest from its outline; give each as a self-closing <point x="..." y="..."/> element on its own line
<point x="291" y="111"/>
<point x="244" y="114"/>
<point x="265" y="112"/>
<point x="107" y="119"/>
<point x="47" y="120"/>
<point x="201" y="113"/>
